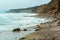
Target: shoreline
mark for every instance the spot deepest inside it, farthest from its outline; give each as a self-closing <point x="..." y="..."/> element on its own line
<point x="45" y="30"/>
<point x="16" y="35"/>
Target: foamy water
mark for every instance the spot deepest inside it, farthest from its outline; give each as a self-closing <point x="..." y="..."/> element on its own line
<point x="9" y="21"/>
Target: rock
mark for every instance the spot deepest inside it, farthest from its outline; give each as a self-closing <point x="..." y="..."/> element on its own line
<point x="58" y="23"/>
<point x="22" y="38"/>
<point x="37" y="29"/>
<point x="53" y="38"/>
<point x="25" y="30"/>
<point x="16" y="30"/>
<point x="38" y="26"/>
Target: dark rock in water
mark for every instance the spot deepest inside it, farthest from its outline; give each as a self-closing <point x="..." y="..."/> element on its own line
<point x="37" y="29"/>
<point x="25" y="30"/>
<point x="38" y="26"/>
<point x="16" y="30"/>
<point x="22" y="38"/>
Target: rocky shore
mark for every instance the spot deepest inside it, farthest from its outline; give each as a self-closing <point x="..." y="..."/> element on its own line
<point x="45" y="31"/>
<point x="48" y="30"/>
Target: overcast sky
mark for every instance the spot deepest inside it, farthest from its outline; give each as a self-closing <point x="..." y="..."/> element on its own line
<point x="12" y="4"/>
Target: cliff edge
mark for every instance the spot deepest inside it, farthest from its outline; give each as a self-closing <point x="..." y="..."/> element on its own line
<point x="52" y="8"/>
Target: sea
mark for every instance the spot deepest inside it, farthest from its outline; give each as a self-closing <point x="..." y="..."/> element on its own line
<point x="9" y="21"/>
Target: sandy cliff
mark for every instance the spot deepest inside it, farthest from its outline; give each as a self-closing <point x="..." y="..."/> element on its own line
<point x="48" y="7"/>
<point x="52" y="8"/>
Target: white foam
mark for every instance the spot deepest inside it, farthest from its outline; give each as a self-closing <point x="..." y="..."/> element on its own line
<point x="9" y="21"/>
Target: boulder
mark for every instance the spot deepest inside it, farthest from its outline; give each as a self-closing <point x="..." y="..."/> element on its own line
<point x="38" y="26"/>
<point x="22" y="38"/>
<point x="37" y="29"/>
<point x="25" y="30"/>
<point x="16" y="30"/>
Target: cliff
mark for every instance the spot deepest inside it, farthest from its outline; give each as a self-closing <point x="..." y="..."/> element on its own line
<point x="52" y="9"/>
<point x="40" y="8"/>
<point x="50" y="6"/>
<point x="53" y="5"/>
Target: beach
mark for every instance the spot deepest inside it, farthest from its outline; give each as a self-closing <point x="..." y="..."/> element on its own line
<point x="10" y="21"/>
<point x="45" y="31"/>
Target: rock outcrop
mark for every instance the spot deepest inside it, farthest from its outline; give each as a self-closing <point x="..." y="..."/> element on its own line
<point x="40" y="8"/>
<point x="51" y="6"/>
<point x="54" y="4"/>
<point x="52" y="9"/>
<point x="16" y="30"/>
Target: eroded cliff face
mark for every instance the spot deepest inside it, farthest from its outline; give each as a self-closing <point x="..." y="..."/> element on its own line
<point x="48" y="7"/>
<point x="52" y="8"/>
<point x="40" y="9"/>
